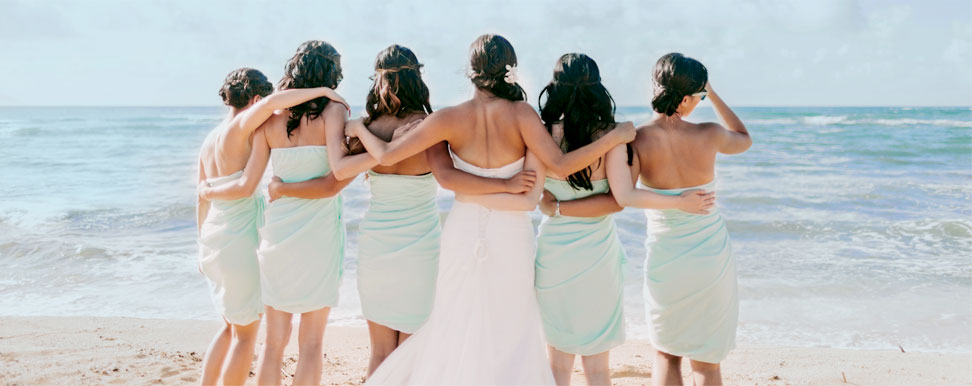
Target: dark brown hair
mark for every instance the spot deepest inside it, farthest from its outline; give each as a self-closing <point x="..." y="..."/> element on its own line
<point x="398" y="88"/>
<point x="242" y="85"/>
<point x="488" y="57"/>
<point x="676" y="76"/>
<point x="315" y="64"/>
<point x="576" y="97"/>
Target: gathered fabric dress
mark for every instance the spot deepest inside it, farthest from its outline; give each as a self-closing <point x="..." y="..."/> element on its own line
<point x="302" y="248"/>
<point x="579" y="277"/>
<point x="398" y="250"/>
<point x="485" y="326"/>
<point x="228" y="241"/>
<point x="692" y="304"/>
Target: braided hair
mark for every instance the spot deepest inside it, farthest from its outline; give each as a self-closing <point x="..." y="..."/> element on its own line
<point x="397" y="87"/>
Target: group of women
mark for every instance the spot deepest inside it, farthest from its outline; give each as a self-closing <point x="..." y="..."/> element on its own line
<point x="471" y="301"/>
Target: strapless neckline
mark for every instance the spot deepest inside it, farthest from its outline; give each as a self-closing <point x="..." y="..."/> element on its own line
<point x="466" y="165"/>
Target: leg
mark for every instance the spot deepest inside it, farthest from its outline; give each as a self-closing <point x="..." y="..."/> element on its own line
<point x="278" y="335"/>
<point x="562" y="364"/>
<point x="597" y="368"/>
<point x="704" y="373"/>
<point x="384" y="340"/>
<point x="237" y="369"/>
<point x="667" y="370"/>
<point x="309" y="338"/>
<point x="215" y="355"/>
<point x="402" y="337"/>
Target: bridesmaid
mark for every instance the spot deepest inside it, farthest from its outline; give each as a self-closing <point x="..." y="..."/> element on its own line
<point x="579" y="277"/>
<point x="228" y="224"/>
<point x="399" y="235"/>
<point x="690" y="274"/>
<point x="302" y="247"/>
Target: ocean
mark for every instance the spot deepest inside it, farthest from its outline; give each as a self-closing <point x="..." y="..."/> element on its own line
<point x="851" y="227"/>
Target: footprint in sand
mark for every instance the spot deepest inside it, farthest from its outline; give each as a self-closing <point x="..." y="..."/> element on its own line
<point x="168" y="372"/>
<point x="629" y="371"/>
<point x="188" y="379"/>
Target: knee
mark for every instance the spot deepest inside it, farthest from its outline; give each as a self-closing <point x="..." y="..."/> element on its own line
<point x="704" y="366"/>
<point x="310" y="346"/>
<point x="669" y="358"/>
<point x="245" y="336"/>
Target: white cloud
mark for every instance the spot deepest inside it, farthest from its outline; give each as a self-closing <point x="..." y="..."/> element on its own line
<point x="758" y="51"/>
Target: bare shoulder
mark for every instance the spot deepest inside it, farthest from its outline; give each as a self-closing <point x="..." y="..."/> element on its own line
<point x="710" y="129"/>
<point x="335" y="110"/>
<point x="523" y="109"/>
<point x="276" y="125"/>
<point x="648" y="134"/>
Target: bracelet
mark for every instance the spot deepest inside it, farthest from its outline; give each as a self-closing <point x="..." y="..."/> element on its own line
<point x="557" y="210"/>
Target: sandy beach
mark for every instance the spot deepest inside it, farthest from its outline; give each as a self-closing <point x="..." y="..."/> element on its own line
<point x="96" y="351"/>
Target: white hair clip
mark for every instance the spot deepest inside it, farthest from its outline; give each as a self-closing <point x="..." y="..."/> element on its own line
<point x="511" y="75"/>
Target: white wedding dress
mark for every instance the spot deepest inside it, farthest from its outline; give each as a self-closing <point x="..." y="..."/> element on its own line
<point x="485" y="327"/>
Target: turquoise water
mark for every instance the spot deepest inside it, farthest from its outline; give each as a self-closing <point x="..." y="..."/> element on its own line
<point x="852" y="227"/>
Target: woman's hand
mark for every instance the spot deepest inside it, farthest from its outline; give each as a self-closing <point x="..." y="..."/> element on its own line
<point x="548" y="203"/>
<point x="521" y="182"/>
<point x="696" y="201"/>
<point x="203" y="190"/>
<point x="273" y="189"/>
<point x="623" y="132"/>
<point x="404" y="129"/>
<point x="351" y="128"/>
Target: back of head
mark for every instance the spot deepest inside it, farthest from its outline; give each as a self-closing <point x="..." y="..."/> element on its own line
<point x="492" y="67"/>
<point x="242" y="85"/>
<point x="315" y="64"/>
<point x="675" y="77"/>
<point x="577" y="98"/>
<point x="398" y="88"/>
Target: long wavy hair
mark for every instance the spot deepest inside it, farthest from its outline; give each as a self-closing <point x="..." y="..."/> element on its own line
<point x="397" y="88"/>
<point x="577" y="98"/>
<point x="315" y="64"/>
<point x="488" y="57"/>
<point x="676" y="76"/>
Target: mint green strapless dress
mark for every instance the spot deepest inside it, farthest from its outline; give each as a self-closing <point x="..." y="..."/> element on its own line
<point x="692" y="304"/>
<point x="579" y="277"/>
<point x="398" y="250"/>
<point x="302" y="248"/>
<point x="228" y="242"/>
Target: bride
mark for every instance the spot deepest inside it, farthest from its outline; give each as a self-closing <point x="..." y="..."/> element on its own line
<point x="485" y="323"/>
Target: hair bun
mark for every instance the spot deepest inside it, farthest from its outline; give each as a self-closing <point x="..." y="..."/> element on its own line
<point x="241" y="85"/>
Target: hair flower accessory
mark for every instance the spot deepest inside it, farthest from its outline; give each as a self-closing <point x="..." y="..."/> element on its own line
<point x="512" y="76"/>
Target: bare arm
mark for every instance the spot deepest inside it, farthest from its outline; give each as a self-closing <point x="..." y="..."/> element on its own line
<point x="320" y="187"/>
<point x="263" y="109"/>
<point x="627" y="194"/>
<point x="525" y="201"/>
<point x="735" y="139"/>
<point x="591" y="206"/>
<point x="252" y="173"/>
<point x="343" y="166"/>
<point x="461" y="182"/>
<point x="202" y="204"/>
<point x="430" y="131"/>
<point x="539" y="142"/>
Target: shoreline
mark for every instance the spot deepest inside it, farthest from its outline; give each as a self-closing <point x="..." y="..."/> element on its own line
<point x="116" y="350"/>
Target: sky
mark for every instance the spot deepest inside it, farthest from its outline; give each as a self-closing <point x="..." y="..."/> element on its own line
<point x="758" y="52"/>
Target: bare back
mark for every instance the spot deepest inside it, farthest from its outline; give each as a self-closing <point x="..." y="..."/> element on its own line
<point x="384" y="127"/>
<point x="485" y="132"/>
<point x="676" y="154"/>
<point x="310" y="132"/>
<point x="222" y="152"/>
<point x="598" y="169"/>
